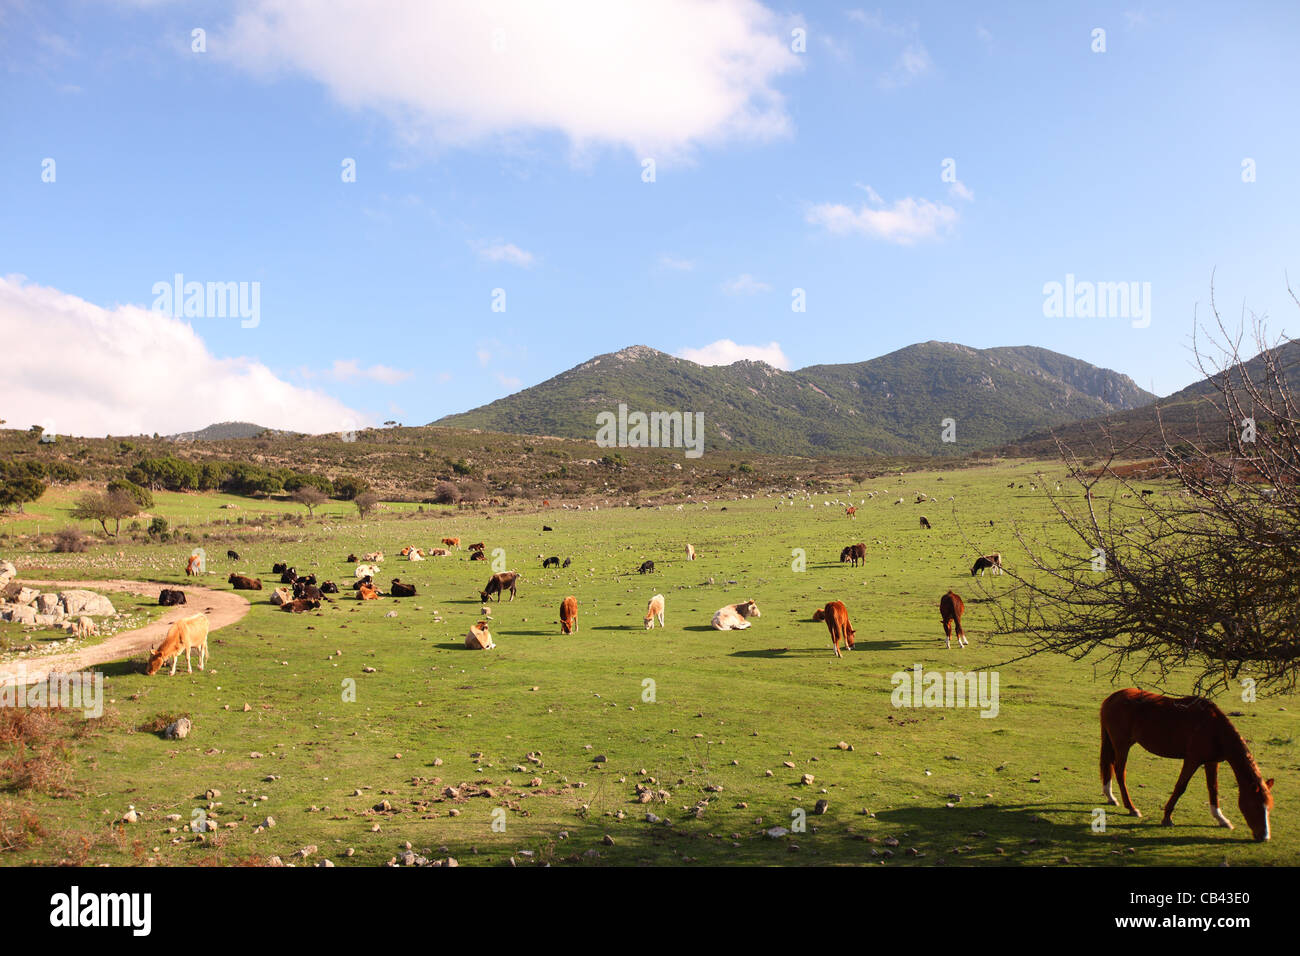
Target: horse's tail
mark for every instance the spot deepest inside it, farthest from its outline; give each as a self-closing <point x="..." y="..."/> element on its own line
<point x="1107" y="756"/>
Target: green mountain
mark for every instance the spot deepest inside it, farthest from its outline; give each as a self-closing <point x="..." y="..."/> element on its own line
<point x="892" y="405"/>
<point x="222" y="431"/>
<point x="1191" y="414"/>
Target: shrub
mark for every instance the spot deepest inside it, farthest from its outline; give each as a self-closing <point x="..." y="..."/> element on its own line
<point x="71" y="541"/>
<point x="446" y="493"/>
<point x="158" y="527"/>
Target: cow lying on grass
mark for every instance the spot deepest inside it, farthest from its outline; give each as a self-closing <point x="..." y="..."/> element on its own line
<point x="242" y="583"/>
<point x="299" y="605"/>
<point x="399" y="589"/>
<point x="170" y="597"/>
<point x="185" y="634"/>
<point x="735" y="617"/>
<point x="479" y="637"/>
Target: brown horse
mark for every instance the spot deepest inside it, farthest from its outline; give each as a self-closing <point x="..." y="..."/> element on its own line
<point x="951" y="609"/>
<point x="1192" y="729"/>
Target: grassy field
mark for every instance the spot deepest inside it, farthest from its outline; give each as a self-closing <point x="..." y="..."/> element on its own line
<point x="724" y="723"/>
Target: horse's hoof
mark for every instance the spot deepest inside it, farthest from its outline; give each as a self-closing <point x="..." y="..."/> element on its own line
<point x="1166" y="822"/>
<point x="1135" y="812"/>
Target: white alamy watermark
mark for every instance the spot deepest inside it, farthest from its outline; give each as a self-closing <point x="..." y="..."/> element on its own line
<point x="653" y="430"/>
<point x="919" y="688"/>
<point x="75" y="908"/>
<point x="209" y="300"/>
<point x="1084" y="299"/>
<point x="80" y="690"/>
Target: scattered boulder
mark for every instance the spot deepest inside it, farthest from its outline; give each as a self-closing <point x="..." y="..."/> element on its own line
<point x="178" y="729"/>
<point x="479" y="638"/>
<point x="78" y="602"/>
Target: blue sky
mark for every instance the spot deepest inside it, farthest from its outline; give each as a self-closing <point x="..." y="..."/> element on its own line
<point x="500" y="145"/>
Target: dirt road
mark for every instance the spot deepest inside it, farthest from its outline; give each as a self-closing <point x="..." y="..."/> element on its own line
<point x="221" y="607"/>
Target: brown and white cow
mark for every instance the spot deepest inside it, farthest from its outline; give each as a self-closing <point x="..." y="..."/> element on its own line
<point x="654" y="611"/>
<point x="987" y="561"/>
<point x="735" y="617"/>
<point x="499" y="583"/>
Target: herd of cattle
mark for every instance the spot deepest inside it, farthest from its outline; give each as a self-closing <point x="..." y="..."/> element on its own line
<point x="300" y="593"/>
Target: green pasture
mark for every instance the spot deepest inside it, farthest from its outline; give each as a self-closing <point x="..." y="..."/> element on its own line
<point x="725" y="723"/>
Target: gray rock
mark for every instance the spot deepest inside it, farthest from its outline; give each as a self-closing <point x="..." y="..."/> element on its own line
<point x="47" y="603"/>
<point x="179" y="729"/>
<point x="85" y="602"/>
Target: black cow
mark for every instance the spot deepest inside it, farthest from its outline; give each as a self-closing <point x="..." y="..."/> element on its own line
<point x="170" y="597"/>
<point x="477" y="556"/>
<point x="551" y="562"/>
<point x="567" y="562"/>
<point x="233" y="555"/>
<point x="288" y="576"/>
<point x="646" y="567"/>
<point x="301" y="589"/>
<point x="329" y="587"/>
<point x="547" y="528"/>
<point x="279" y="568"/>
<point x="402" y="590"/>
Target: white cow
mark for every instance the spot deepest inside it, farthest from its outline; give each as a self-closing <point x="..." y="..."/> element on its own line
<point x="655" y="610"/>
<point x="735" y="617"/>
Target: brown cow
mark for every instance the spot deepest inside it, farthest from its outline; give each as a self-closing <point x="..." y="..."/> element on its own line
<point x="192" y="566"/>
<point x="451" y="542"/>
<point x="242" y="583"/>
<point x="855" y="553"/>
<point x="477" y="556"/>
<point x="504" y="581"/>
<point x="569" y="615"/>
<point x="367" y="592"/>
<point x="185" y="634"/>
<point x="836" y="616"/>
<point x="299" y="605"/>
<point x="477" y="547"/>
<point x="951" y="609"/>
<point x="851" y="511"/>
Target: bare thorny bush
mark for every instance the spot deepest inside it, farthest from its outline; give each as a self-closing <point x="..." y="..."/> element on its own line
<point x="1205" y="577"/>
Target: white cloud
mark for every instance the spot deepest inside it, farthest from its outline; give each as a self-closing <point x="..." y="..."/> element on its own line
<point x="350" y="370"/>
<point x="905" y="222"/>
<point x="507" y="381"/>
<point x="745" y="284"/>
<point x="959" y="190"/>
<point x="507" y="252"/>
<point x="725" y="351"/>
<point x="130" y="370"/>
<point x="656" y="76"/>
<point x="913" y="63"/>
<point x="677" y="265"/>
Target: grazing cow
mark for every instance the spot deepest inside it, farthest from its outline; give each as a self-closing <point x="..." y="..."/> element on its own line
<point x="368" y="592"/>
<point x="547" y="528"/>
<point x="498" y="583"/>
<point x="1146" y="492"/>
<point x="351" y="559"/>
<point x="185" y="634"/>
<point x="477" y="556"/>
<point x="279" y="568"/>
<point x="551" y="562"/>
<point x="479" y="637"/>
<point x="477" y="547"/>
<point x="451" y="542"/>
<point x="567" y="562"/>
<point x="569" y="615"/>
<point x="301" y="589"/>
<point x="242" y="583"/>
<point x="1191" y="728"/>
<point x="282" y="595"/>
<point x="365" y="571"/>
<point x="647" y="567"/>
<point x="233" y="555"/>
<point x="401" y="590"/>
<point x="951" y="609"/>
<point x="300" y="605"/>
<point x="982" y="564"/>
<point x="836" y="616"/>
<point x="329" y="587"/>
<point x="690" y="552"/>
<point x="925" y="522"/>
<point x="192" y="566"/>
<point x="170" y="597"/>
<point x="654" y="611"/>
<point x="851" y="511"/>
<point x="735" y="617"/>
<point x="374" y="557"/>
<point x="855" y="553"/>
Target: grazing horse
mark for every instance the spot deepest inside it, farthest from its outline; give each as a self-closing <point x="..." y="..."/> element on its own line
<point x="836" y="616"/>
<point x="987" y="561"/>
<point x="925" y="522"/>
<point x="951" y="609"/>
<point x="1193" y="729"/>
<point x="851" y="511"/>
